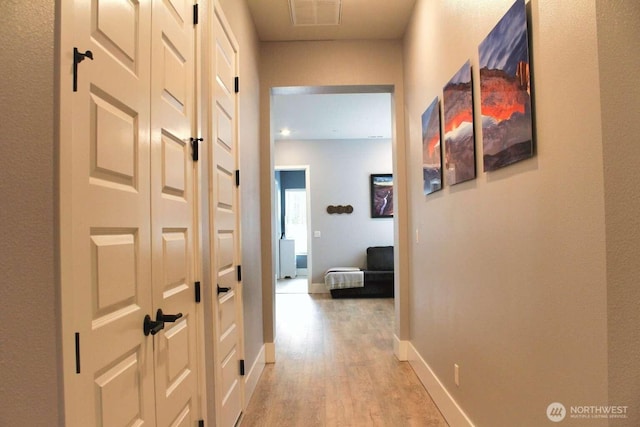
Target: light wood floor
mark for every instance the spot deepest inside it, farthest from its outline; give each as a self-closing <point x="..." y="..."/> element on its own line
<point x="335" y="367"/>
<point x="292" y="286"/>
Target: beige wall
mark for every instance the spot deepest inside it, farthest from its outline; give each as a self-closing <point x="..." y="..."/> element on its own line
<point x="29" y="360"/>
<point x="618" y="36"/>
<point x="509" y="277"/>
<point x="241" y="23"/>
<point x="327" y="64"/>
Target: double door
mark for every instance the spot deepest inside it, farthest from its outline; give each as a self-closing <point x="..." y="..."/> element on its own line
<point x="127" y="217"/>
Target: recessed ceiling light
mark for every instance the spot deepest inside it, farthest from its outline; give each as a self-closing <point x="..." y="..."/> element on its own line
<point x="285" y="132"/>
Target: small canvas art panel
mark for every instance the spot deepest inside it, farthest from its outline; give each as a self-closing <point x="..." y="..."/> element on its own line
<point x="459" y="139"/>
<point x="431" y="148"/>
<point x="505" y="91"/>
<point x="382" y="195"/>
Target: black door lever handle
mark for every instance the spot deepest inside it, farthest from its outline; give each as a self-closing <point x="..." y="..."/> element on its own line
<point x="222" y="290"/>
<point x="154" y="326"/>
<point x="170" y="318"/>
<point x="151" y="326"/>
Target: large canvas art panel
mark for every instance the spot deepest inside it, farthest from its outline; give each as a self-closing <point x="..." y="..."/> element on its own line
<point x="505" y="91"/>
<point x="431" y="148"/>
<point x="459" y="139"/>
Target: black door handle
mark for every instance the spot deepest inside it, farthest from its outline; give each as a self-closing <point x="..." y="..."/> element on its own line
<point x="222" y="290"/>
<point x="151" y="326"/>
<point x="154" y="326"/>
<point x="161" y="317"/>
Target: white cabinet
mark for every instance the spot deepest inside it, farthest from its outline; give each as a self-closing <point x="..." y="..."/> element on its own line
<point x="287" y="258"/>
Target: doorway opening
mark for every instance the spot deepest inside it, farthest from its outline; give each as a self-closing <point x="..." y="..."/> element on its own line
<point x="293" y="222"/>
<point x="334" y="130"/>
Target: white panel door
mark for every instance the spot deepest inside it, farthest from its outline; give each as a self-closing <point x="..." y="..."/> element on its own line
<point x="225" y="226"/>
<point x="126" y="184"/>
<point x="105" y="205"/>
<point x="172" y="201"/>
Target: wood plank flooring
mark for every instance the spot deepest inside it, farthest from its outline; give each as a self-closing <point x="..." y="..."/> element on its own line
<point x="335" y="367"/>
<point x="297" y="285"/>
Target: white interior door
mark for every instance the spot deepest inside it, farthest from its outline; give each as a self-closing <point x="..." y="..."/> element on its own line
<point x="172" y="203"/>
<point x="105" y="227"/>
<point x="126" y="227"/>
<point x="225" y="225"/>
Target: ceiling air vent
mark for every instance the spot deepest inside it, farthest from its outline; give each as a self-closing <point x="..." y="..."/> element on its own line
<point x="315" y="12"/>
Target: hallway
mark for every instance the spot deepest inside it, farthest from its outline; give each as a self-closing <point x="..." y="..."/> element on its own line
<point x="335" y="367"/>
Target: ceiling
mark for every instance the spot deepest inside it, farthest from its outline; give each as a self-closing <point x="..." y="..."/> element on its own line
<point x="332" y="116"/>
<point x="359" y="19"/>
<point x="329" y="115"/>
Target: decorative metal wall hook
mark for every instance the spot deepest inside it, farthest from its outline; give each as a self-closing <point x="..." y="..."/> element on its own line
<point x="78" y="57"/>
<point x="331" y="209"/>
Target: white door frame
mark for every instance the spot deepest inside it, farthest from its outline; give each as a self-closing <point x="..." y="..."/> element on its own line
<point x="400" y="235"/>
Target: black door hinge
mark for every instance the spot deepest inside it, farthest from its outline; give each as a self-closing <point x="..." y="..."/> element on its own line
<point x="77" y="352"/>
<point x="197" y="289"/>
<point x="78" y="57"/>
<point x="239" y="272"/>
<point x="238" y="178"/>
<point x="242" y="367"/>
<point x="195" y="148"/>
<point x="200" y="423"/>
<point x="195" y="14"/>
<point x="237" y="84"/>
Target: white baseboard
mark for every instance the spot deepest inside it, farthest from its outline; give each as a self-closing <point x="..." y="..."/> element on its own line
<point x="451" y="411"/>
<point x="269" y="352"/>
<point x="251" y="379"/>
<point x="318" y="288"/>
<point x="400" y="348"/>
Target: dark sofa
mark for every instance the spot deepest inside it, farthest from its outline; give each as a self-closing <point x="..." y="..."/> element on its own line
<point x="378" y="277"/>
